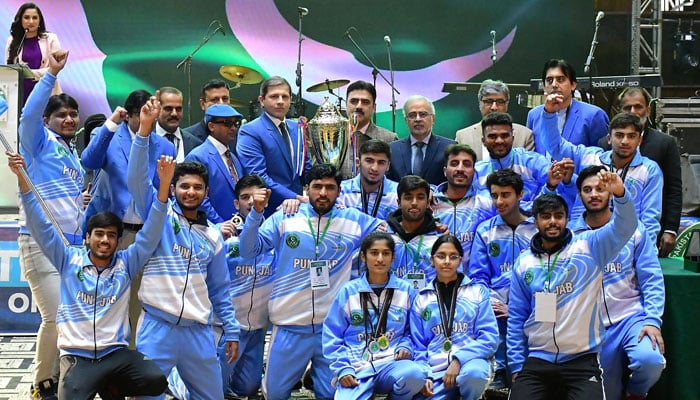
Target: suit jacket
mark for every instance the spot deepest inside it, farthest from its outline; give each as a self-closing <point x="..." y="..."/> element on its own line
<point x="585" y="124"/>
<point x="190" y="141"/>
<point x="221" y="184"/>
<point x="198" y="130"/>
<point x="48" y="44"/>
<point x="262" y="151"/>
<point x="663" y="149"/>
<point x="433" y="161"/>
<point x="109" y="151"/>
<point x="471" y="135"/>
<point x="372" y="132"/>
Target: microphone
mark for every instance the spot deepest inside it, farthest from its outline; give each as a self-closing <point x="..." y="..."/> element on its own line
<point x="303" y="11"/>
<point x="387" y="39"/>
<point x="220" y="28"/>
<point x="354" y="118"/>
<point x="347" y="33"/>
<point x="494" y="53"/>
<point x="599" y="16"/>
<point x="21" y="45"/>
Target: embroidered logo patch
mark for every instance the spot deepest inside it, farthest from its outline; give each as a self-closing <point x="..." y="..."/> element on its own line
<point x="292" y="241"/>
<point x="176" y="226"/>
<point x="80" y="275"/>
<point x="63" y="152"/>
<point x="494" y="249"/>
<point x="529" y="276"/>
<point x="356" y="318"/>
<point x="426" y="314"/>
<point x="233" y="250"/>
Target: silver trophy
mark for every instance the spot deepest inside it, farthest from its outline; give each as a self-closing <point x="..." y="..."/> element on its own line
<point x="327" y="135"/>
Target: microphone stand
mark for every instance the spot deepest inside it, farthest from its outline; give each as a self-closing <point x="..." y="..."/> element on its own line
<point x="393" y="93"/>
<point x="375" y="71"/>
<point x="187" y="63"/>
<point x="369" y="60"/>
<point x="299" y="103"/>
<point x="589" y="60"/>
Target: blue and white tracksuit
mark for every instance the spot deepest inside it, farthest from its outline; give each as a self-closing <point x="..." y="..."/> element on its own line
<point x="643" y="178"/>
<point x="531" y="166"/>
<point x="347" y="333"/>
<point x="576" y="279"/>
<point x="351" y="196"/>
<point x="474" y="338"/>
<point x="184" y="285"/>
<point x="464" y="216"/>
<point x="296" y="310"/>
<point x="633" y="286"/>
<point x="496" y="247"/>
<point x="412" y="250"/>
<point x="92" y="317"/>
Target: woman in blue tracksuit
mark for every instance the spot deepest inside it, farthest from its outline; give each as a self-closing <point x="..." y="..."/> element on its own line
<point x="453" y="328"/>
<point x="366" y="333"/>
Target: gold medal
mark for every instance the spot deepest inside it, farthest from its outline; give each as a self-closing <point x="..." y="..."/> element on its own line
<point x="447" y="346"/>
<point x="383" y="342"/>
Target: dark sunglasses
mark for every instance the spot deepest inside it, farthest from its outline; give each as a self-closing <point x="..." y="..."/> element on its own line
<point x="228" y="122"/>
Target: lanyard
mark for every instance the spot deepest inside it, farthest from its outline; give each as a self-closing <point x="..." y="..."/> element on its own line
<point x="416" y="255"/>
<point x="377" y="200"/>
<point x="380" y="328"/>
<point x="512" y="162"/>
<point x="447" y="323"/>
<point x="624" y="169"/>
<point x="316" y="234"/>
<point x="549" y="269"/>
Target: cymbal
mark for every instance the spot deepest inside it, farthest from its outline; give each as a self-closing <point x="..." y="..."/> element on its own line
<point x="240" y="74"/>
<point x="238" y="103"/>
<point x="328" y="85"/>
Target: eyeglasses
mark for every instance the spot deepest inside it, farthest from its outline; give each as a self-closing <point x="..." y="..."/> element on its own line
<point x="228" y="122"/>
<point x="414" y="115"/>
<point x="489" y="102"/>
<point x="443" y="257"/>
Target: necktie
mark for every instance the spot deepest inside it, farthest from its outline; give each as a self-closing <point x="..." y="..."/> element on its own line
<point x="172" y="139"/>
<point x="231" y="166"/>
<point x="418" y="158"/>
<point x="285" y="137"/>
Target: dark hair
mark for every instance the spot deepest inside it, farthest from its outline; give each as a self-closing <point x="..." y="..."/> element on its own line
<point x="447" y="238"/>
<point x="631" y="90"/>
<point x="191" y="168"/>
<point x="273" y="81"/>
<point x="362" y="85"/>
<point x="211" y="84"/>
<point x="548" y="202"/>
<point x="248" y="181"/>
<point x="104" y="219"/>
<point x="456" y="149"/>
<point x="376" y="236"/>
<point x="17" y="32"/>
<point x="496" y="118"/>
<point x="412" y="182"/>
<point x="588" y="172"/>
<point x="505" y="177"/>
<point x="320" y="171"/>
<point x="623" y="120"/>
<point x="566" y="68"/>
<point x="375" y="146"/>
<point x="57" y="101"/>
<point x="169" y="90"/>
<point x="135" y="100"/>
<point x="91" y="123"/>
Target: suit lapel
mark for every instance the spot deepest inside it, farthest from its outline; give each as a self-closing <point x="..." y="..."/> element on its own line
<point x="223" y="168"/>
<point x="124" y="138"/>
<point x="407" y="156"/>
<point x="430" y="151"/>
<point x="277" y="137"/>
<point x="571" y="120"/>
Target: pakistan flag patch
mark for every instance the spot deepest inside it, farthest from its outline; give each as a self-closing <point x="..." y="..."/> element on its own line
<point x="63" y="152"/>
<point x="176" y="226"/>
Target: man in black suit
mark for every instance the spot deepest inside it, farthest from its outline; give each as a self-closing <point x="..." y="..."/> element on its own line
<point x="421" y="153"/>
<point x="213" y="92"/>
<point x="168" y="124"/>
<point x="663" y="149"/>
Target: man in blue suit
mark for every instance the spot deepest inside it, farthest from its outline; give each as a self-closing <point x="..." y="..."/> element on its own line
<point x="225" y="169"/>
<point x="272" y="146"/>
<point x="578" y="122"/>
<point x="422" y="153"/>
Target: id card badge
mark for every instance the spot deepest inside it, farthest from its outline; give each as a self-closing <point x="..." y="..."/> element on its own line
<point x="545" y="307"/>
<point x="318" y="271"/>
<point x="417" y="279"/>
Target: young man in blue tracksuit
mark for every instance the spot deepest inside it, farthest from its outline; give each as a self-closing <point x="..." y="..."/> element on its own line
<point x="497" y="244"/>
<point x="642" y="176"/>
<point x="313" y="250"/>
<point x="92" y="318"/>
<point x="186" y="282"/>
<point x="633" y="286"/>
<point x="366" y="333"/>
<point x="46" y="129"/>
<point x="555" y="326"/>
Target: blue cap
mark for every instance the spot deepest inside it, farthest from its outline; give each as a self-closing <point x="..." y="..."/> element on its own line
<point x="220" y="111"/>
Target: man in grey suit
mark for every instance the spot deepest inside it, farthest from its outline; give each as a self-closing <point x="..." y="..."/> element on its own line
<point x="493" y="97"/>
<point x="423" y="152"/>
<point x="361" y="97"/>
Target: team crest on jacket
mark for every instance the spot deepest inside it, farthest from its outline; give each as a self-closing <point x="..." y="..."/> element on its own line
<point x="176" y="226"/>
<point x="494" y="249"/>
<point x="356" y="318"/>
<point x="233" y="250"/>
<point x="292" y="241"/>
<point x="529" y="276"/>
<point x="426" y="314"/>
<point x="63" y="152"/>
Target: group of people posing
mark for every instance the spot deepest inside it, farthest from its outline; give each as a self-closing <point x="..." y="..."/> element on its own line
<point x="521" y="258"/>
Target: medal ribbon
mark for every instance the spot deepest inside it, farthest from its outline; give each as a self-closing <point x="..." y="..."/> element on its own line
<point x="377" y="200"/>
<point x="380" y="328"/>
<point x="447" y="327"/>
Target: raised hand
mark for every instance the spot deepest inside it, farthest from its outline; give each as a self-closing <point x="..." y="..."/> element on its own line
<point x="57" y="60"/>
<point x="260" y="199"/>
<point x="149" y="113"/>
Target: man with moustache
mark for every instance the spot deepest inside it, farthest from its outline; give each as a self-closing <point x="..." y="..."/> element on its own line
<point x="321" y="236"/>
<point x="168" y="123"/>
<point x="361" y="105"/>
